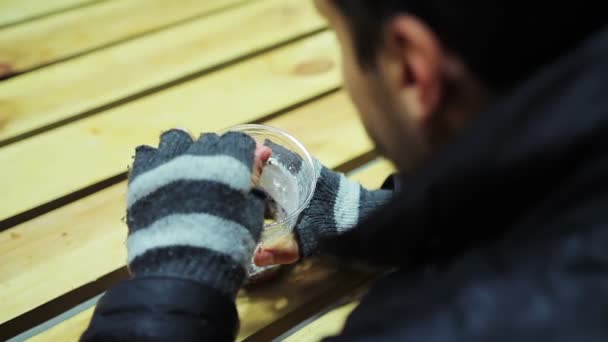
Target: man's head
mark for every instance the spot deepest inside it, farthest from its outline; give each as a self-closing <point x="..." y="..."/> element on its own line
<point x="418" y="70"/>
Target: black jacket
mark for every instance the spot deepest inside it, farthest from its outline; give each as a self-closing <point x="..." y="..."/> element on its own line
<point x="503" y="236"/>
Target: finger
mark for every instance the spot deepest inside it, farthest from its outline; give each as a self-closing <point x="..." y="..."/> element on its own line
<point x="282" y="251"/>
<point x="143" y="160"/>
<point x="263" y="258"/>
<point x="261" y="155"/>
<point x="174" y="142"/>
<point x="206" y="144"/>
<point x="234" y="144"/>
<point x="264" y="153"/>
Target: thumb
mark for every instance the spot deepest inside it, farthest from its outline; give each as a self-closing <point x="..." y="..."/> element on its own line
<point x="284" y="250"/>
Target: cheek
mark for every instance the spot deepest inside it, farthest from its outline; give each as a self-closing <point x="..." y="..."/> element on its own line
<point x="369" y="110"/>
<point x="368" y="95"/>
<point x="350" y="79"/>
<point x="356" y="86"/>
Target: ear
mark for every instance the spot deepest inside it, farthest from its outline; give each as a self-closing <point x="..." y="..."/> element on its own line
<point x="417" y="63"/>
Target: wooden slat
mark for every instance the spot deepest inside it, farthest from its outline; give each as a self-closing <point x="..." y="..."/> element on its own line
<point x="91" y="150"/>
<point x="57" y="37"/>
<point x="373" y="174"/>
<point x="13" y="11"/>
<point x="259" y="308"/>
<point x="67" y="331"/>
<point x="61" y="91"/>
<point x="58" y="242"/>
<point x="329" y="324"/>
<point x="307" y="282"/>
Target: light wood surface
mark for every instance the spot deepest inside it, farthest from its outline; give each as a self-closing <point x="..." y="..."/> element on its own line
<point x="329" y="324"/>
<point x="66" y="89"/>
<point x="13" y="11"/>
<point x="41" y="169"/>
<point x="58" y="242"/>
<point x="65" y="34"/>
<point x="257" y="309"/>
<point x="67" y="331"/>
<point x="82" y="82"/>
<point x="306" y="282"/>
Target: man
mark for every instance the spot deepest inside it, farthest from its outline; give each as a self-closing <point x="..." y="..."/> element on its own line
<point x="496" y="116"/>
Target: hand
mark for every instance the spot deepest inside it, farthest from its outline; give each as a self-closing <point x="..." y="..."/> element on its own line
<point x="282" y="251"/>
<point x="192" y="211"/>
<point x="337" y="206"/>
<point x="261" y="155"/>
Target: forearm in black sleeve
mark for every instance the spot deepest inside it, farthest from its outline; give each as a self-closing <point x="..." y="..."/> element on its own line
<point x="163" y="309"/>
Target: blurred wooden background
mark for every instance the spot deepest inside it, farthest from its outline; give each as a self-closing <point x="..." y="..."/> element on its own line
<point x="82" y="82"/>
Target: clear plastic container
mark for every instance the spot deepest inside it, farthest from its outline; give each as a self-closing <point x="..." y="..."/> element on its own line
<point x="289" y="178"/>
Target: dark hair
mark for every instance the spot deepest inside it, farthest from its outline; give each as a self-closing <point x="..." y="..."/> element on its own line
<point x="501" y="42"/>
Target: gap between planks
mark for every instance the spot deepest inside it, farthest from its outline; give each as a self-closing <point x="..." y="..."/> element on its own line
<point x="148" y="65"/>
<point x="105" y="141"/>
<point x="371" y="176"/>
<point x="352" y="150"/>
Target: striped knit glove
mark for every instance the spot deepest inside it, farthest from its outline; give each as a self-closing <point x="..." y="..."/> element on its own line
<point x="336" y="207"/>
<point x="191" y="210"/>
<point x="338" y="204"/>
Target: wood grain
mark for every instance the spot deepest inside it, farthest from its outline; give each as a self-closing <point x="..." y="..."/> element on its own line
<point x="13" y="11"/>
<point x="58" y="242"/>
<point x="64" y="90"/>
<point x="69" y="33"/>
<point x="67" y="331"/>
<point x="259" y="308"/>
<point x="36" y="171"/>
<point x="329" y="324"/>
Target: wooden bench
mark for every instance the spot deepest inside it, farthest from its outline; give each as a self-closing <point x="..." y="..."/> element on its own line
<point x="69" y="121"/>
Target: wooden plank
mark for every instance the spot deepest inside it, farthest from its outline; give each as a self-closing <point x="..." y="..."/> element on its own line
<point x="94" y="149"/>
<point x="57" y="242"/>
<point x="68" y="331"/>
<point x="330" y="324"/>
<point x="66" y="34"/>
<point x="369" y="175"/>
<point x="259" y="308"/>
<point x="13" y="11"/>
<point x="133" y="67"/>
